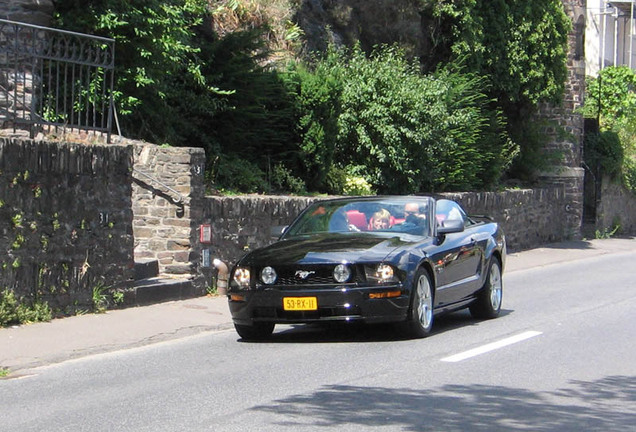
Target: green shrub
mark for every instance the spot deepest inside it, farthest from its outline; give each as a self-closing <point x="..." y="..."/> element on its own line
<point x="236" y="174"/>
<point x="604" y="153"/>
<point x="317" y="106"/>
<point x="8" y="306"/>
<point x="20" y="311"/>
<point x="414" y="132"/>
<point x="160" y="84"/>
<point x="357" y="185"/>
<point x="36" y="311"/>
<point x="283" y="180"/>
<point x="611" y="97"/>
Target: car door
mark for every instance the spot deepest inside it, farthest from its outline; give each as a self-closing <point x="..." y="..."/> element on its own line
<point x="458" y="260"/>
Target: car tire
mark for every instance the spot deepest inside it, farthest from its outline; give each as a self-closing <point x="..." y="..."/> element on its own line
<point x="421" y="317"/>
<point x="489" y="298"/>
<point x="255" y="332"/>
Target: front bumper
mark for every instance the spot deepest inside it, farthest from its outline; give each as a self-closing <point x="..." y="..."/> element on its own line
<point x="334" y="304"/>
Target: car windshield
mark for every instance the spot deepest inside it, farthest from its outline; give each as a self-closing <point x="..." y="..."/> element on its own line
<point x="389" y="215"/>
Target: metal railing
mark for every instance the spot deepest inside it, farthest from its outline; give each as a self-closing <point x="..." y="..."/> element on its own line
<point x="57" y="78"/>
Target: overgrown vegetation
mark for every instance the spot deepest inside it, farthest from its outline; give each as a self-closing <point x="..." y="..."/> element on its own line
<point x="161" y="86"/>
<point x="519" y="48"/>
<point x="399" y="130"/>
<point x="22" y="310"/>
<point x="611" y="101"/>
<point x="214" y="75"/>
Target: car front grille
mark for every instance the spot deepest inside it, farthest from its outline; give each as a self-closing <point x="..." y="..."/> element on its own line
<point x="313" y="275"/>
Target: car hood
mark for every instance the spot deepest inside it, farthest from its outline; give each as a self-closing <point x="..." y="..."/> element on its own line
<point x="332" y="248"/>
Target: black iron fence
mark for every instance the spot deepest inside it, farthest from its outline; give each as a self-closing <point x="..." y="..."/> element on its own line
<point x="55" y="78"/>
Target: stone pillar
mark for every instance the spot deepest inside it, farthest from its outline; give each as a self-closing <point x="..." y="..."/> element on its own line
<point x="569" y="145"/>
<point x="168" y="190"/>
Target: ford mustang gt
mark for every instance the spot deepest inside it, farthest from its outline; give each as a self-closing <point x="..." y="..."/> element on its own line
<point x="402" y="259"/>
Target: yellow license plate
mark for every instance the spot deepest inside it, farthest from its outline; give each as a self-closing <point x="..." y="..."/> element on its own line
<point x="300" y="303"/>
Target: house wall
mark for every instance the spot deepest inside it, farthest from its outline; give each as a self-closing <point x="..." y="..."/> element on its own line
<point x="608" y="33"/>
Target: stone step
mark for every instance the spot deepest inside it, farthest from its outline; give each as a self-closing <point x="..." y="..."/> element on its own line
<point x="159" y="289"/>
<point x="146" y="268"/>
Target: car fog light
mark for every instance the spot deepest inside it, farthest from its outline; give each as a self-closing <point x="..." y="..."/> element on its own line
<point x="341" y="273"/>
<point x="268" y="275"/>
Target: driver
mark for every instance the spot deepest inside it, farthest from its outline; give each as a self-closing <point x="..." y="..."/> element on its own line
<point x="414" y="219"/>
<point x="413" y="214"/>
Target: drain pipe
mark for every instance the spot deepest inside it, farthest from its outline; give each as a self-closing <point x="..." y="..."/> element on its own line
<point x="222" y="276"/>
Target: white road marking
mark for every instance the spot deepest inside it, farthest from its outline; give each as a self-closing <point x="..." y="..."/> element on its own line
<point x="491" y="347"/>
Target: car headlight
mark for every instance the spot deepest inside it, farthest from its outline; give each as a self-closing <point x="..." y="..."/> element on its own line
<point x="268" y="275"/>
<point x="242" y="277"/>
<point x="342" y="273"/>
<point x="382" y="273"/>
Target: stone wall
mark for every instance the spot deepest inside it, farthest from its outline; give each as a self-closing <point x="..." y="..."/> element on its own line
<point x="530" y="217"/>
<point x="65" y="220"/>
<point x="168" y="191"/>
<point x="616" y="207"/>
<point x="37" y="12"/>
<point x="241" y="223"/>
<point x="74" y="217"/>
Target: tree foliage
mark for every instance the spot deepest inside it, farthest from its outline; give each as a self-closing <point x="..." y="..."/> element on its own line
<point x="520" y="47"/>
<point x="402" y="131"/>
<point x="611" y="100"/>
<point x="611" y="97"/>
<point x="160" y="86"/>
<point x="344" y="120"/>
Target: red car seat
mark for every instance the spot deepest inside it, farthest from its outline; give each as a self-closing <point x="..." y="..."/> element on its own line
<point x="358" y="219"/>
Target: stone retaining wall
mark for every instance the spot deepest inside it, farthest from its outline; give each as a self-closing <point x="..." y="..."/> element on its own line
<point x="530" y="217"/>
<point x="65" y="220"/>
<point x="73" y="216"/>
<point x="616" y="207"/>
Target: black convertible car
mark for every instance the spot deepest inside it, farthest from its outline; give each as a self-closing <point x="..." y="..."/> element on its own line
<point x="398" y="259"/>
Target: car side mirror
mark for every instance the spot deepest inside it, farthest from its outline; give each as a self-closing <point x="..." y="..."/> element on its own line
<point x="450" y="226"/>
<point x="278" y="231"/>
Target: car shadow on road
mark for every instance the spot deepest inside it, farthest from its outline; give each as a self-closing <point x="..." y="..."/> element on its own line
<point x="607" y="404"/>
<point x="361" y="333"/>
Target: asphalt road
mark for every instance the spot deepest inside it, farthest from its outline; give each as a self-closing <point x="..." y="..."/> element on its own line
<point x="560" y="358"/>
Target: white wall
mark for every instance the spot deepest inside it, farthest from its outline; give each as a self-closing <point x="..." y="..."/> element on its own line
<point x="607" y="36"/>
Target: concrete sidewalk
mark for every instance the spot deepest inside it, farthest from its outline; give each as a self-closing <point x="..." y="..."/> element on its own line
<point x="29" y="346"/>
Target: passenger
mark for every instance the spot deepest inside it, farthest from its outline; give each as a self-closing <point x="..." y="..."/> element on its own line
<point x="380" y="220"/>
<point x="339" y="222"/>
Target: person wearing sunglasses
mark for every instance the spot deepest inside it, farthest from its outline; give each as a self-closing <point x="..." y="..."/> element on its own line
<point x="413" y="214"/>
